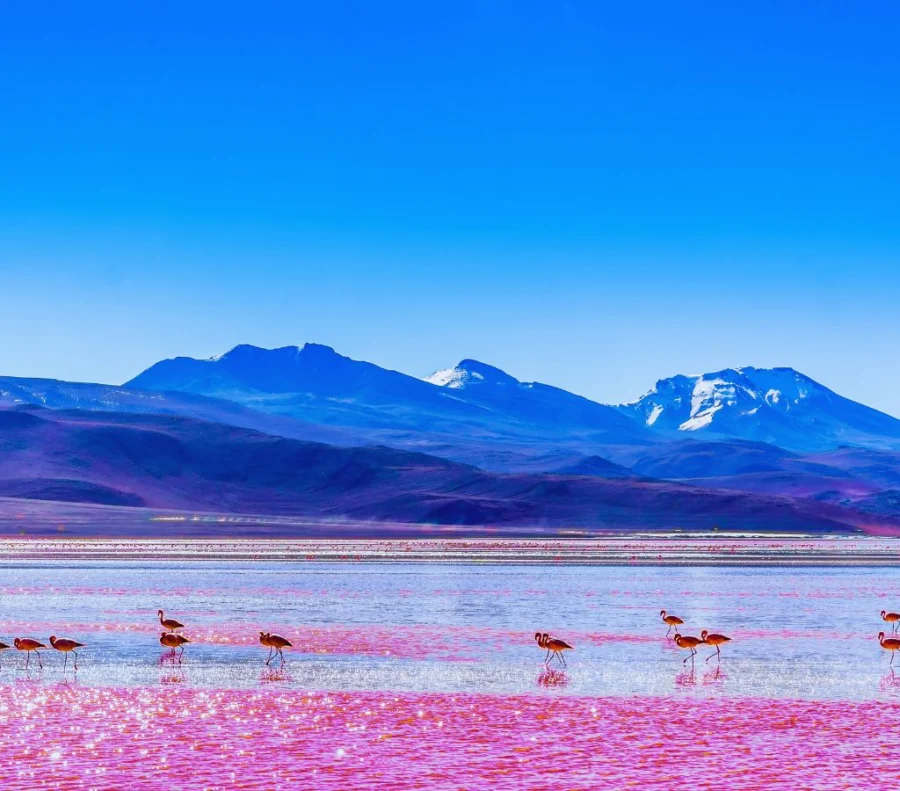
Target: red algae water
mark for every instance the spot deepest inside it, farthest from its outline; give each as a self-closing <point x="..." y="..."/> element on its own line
<point x="81" y="738"/>
<point x="419" y="675"/>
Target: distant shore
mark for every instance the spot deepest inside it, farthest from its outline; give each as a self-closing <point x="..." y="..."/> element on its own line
<point x="637" y="550"/>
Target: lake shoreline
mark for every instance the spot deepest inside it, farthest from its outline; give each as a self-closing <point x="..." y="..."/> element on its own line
<point x="637" y="550"/>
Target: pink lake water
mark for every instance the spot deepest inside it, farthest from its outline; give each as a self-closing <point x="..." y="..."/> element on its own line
<point x="427" y="676"/>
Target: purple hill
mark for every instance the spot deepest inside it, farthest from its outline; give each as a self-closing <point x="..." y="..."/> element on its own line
<point x="180" y="463"/>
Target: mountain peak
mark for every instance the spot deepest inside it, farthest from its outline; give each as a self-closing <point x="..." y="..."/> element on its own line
<point x="777" y="405"/>
<point x="249" y="351"/>
<point x="470" y="372"/>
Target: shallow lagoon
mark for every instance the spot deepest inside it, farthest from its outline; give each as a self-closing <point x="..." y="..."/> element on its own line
<point x="425" y="675"/>
<point x="797" y="632"/>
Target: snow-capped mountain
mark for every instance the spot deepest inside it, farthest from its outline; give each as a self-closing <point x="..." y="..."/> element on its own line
<point x="780" y="406"/>
<point x="311" y="382"/>
<point x="468" y="373"/>
<point x="470" y="402"/>
<point x="538" y="404"/>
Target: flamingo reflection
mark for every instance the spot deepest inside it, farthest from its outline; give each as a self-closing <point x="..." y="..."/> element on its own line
<point x="552" y="678"/>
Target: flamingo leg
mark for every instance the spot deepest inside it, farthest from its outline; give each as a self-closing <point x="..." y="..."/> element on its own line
<point x="27" y="659"/>
<point x="562" y="659"/>
<point x="65" y="662"/>
<point x="75" y="659"/>
<point x="281" y="654"/>
<point x="892" y="657"/>
<point x="669" y="630"/>
<point x="270" y="655"/>
<point x="547" y="657"/>
<point x="40" y="664"/>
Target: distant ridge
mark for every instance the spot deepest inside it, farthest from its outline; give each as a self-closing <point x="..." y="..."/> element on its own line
<point x="476" y="402"/>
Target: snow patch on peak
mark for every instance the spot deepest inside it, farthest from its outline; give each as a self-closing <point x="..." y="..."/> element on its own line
<point x="454" y="378"/>
<point x="708" y="397"/>
<point x="654" y="414"/>
<point x="700" y="420"/>
<point x="470" y="372"/>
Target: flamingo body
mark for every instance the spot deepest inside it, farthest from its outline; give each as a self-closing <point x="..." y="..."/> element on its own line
<point x="715" y="640"/>
<point x="554" y="646"/>
<point x="893" y="618"/>
<point x="173" y="641"/>
<point x="66" y="646"/>
<point x="672" y="621"/>
<point x="276" y="645"/>
<point x="28" y="645"/>
<point x="689" y="643"/>
<point x="169" y="623"/>
<point x="891" y="644"/>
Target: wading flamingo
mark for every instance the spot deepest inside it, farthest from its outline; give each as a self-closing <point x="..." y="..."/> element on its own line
<point x="66" y="646"/>
<point x="555" y="646"/>
<point x="673" y="621"/>
<point x="690" y="643"/>
<point x="276" y="642"/>
<point x="893" y="618"/>
<point x="714" y="640"/>
<point x="264" y="640"/>
<point x="169" y="623"/>
<point x="891" y="644"/>
<point x="540" y="638"/>
<point x="28" y="645"/>
<point x="3" y="646"/>
<point x="173" y="641"/>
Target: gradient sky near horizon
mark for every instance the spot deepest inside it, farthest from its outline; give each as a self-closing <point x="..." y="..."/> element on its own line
<point x="593" y="195"/>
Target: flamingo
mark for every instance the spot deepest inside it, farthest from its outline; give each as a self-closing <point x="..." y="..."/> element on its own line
<point x="554" y="646"/>
<point x="893" y="618"/>
<point x="277" y="642"/>
<point x="264" y="640"/>
<point x="3" y="646"/>
<point x="891" y="644"/>
<point x="169" y="623"/>
<point x="540" y="641"/>
<point x="66" y="646"/>
<point x="690" y="643"/>
<point x="714" y="640"/>
<point x="28" y="645"/>
<point x="173" y="641"/>
<point x="671" y="620"/>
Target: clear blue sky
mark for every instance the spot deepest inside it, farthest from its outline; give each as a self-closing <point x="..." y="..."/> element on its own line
<point x="593" y="195"/>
